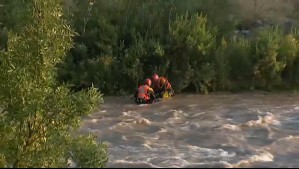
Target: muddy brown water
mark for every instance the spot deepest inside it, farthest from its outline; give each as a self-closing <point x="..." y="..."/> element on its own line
<point x="190" y="130"/>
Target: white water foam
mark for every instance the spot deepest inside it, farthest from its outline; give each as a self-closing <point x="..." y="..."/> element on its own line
<point x="130" y="164"/>
<point x="131" y="123"/>
<point x="262" y="156"/>
<point x="231" y="127"/>
<point x="269" y="118"/>
<point x="172" y="157"/>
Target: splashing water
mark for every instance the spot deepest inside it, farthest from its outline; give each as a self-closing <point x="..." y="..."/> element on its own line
<point x="218" y="130"/>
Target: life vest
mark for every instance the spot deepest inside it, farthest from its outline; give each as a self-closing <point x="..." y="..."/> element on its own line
<point x="143" y="92"/>
<point x="160" y="84"/>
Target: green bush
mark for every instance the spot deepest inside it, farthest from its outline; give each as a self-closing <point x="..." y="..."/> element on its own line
<point x="267" y="65"/>
<point x="240" y="63"/>
<point x="288" y="53"/>
<point x="192" y="41"/>
<point x="169" y="37"/>
<point x="39" y="114"/>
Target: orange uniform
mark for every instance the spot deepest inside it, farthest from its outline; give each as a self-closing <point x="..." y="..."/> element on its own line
<point x="144" y="94"/>
<point x="162" y="85"/>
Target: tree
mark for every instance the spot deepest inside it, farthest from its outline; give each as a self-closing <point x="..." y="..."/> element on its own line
<point x="192" y="42"/>
<point x="38" y="114"/>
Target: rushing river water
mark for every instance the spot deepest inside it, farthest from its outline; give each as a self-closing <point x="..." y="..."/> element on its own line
<point x="189" y="130"/>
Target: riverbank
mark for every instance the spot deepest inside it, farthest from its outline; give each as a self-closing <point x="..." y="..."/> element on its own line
<point x="254" y="92"/>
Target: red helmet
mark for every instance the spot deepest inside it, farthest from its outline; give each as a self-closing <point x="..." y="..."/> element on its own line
<point x="155" y="77"/>
<point x="148" y="81"/>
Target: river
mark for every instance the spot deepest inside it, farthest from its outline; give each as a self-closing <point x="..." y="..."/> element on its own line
<point x="190" y="130"/>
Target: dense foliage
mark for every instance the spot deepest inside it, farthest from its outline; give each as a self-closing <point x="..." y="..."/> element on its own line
<point x="121" y="42"/>
<point x="37" y="114"/>
<point x="51" y="48"/>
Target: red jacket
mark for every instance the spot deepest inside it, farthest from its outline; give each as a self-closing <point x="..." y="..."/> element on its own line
<point x="162" y="84"/>
<point x="144" y="92"/>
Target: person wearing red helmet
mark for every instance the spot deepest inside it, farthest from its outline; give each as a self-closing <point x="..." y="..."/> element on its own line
<point x="145" y="94"/>
<point x="161" y="85"/>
